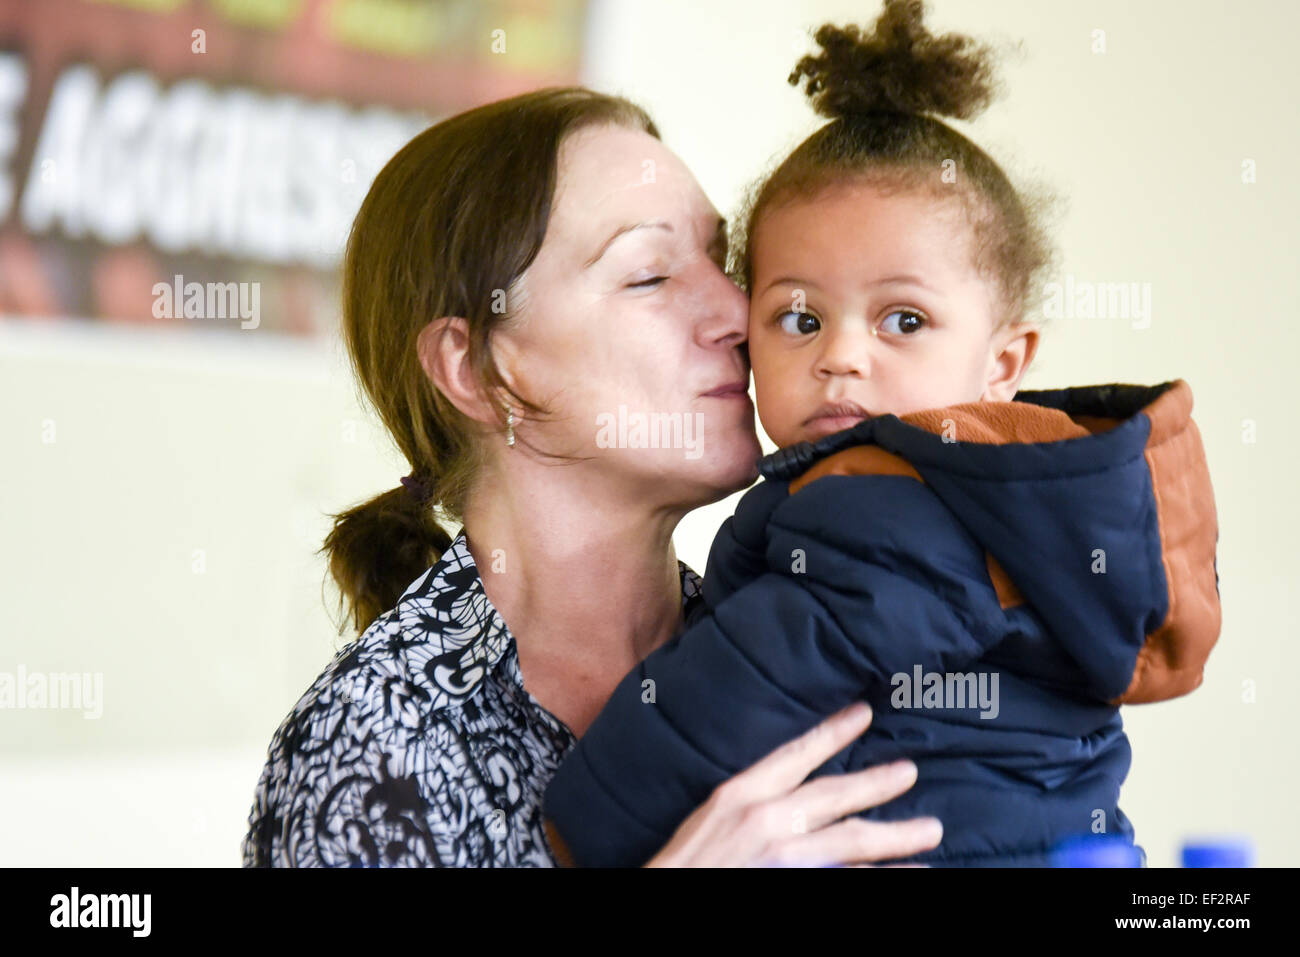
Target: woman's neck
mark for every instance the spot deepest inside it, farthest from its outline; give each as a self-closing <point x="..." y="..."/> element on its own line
<point x="587" y="582"/>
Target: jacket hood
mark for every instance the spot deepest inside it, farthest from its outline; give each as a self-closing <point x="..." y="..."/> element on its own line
<point x="1094" y="505"/>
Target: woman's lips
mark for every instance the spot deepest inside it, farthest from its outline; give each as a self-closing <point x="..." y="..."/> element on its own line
<point x="732" y="390"/>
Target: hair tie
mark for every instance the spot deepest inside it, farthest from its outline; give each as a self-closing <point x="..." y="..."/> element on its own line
<point x="420" y="489"/>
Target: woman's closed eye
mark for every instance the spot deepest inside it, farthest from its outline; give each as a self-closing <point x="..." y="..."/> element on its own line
<point x="648" y="283"/>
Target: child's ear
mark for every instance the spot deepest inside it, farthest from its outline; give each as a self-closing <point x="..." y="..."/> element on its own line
<point x="1011" y="352"/>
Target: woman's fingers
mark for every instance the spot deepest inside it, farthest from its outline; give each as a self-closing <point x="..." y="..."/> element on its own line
<point x="785" y="768"/>
<point x="908" y="864"/>
<point x="767" y="815"/>
<point x="856" y="840"/>
<point x="814" y="808"/>
<point x="829" y="798"/>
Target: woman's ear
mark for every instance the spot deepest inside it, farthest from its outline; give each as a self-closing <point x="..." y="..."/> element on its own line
<point x="1009" y="358"/>
<point x="443" y="348"/>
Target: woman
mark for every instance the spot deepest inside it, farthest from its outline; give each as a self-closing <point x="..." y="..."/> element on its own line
<point x="516" y="274"/>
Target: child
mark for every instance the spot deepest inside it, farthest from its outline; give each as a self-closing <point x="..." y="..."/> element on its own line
<point x="995" y="572"/>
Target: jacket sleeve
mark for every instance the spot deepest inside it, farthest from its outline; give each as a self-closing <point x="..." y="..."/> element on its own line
<point x="841" y="606"/>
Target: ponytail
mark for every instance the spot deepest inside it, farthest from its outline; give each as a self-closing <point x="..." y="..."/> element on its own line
<point x="378" y="548"/>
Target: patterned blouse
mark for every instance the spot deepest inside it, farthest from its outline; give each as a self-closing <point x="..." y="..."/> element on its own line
<point x="417" y="746"/>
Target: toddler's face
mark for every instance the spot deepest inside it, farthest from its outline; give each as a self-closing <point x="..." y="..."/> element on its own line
<point x="865" y="304"/>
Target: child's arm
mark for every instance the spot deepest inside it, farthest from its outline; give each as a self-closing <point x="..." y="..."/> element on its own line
<point x="844" y="604"/>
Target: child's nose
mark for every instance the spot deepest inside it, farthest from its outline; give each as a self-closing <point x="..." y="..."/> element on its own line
<point x="845" y="352"/>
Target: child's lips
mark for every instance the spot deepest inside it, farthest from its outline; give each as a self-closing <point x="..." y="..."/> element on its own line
<point x="821" y="425"/>
<point x="840" y="409"/>
<point x="835" y="417"/>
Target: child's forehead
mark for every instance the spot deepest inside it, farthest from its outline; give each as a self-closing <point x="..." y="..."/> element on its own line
<point x="859" y="230"/>
<point x="855" y="209"/>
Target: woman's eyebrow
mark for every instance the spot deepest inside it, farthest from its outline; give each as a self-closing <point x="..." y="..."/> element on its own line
<point x="625" y="228"/>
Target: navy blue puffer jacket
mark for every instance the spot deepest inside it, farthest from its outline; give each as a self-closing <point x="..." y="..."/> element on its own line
<point x="996" y="579"/>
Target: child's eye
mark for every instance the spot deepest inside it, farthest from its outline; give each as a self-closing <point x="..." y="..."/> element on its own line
<point x="911" y="322"/>
<point x="804" y="323"/>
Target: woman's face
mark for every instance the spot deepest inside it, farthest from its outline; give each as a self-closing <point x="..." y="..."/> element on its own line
<point x="629" y="331"/>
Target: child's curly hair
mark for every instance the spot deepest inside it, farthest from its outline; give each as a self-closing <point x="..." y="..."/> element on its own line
<point x="878" y="89"/>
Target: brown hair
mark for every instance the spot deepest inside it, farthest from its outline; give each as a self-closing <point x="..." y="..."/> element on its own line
<point x="446" y="229"/>
<point x="877" y="89"/>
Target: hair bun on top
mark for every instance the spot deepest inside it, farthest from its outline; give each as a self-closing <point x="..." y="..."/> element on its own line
<point x="899" y="67"/>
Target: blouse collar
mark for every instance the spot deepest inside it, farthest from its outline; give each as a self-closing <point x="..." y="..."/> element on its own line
<point x="460" y="635"/>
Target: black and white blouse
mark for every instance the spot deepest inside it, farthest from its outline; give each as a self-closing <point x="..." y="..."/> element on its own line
<point x="417" y="746"/>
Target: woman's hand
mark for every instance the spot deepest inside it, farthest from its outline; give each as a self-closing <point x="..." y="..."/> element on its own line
<point x="767" y="816"/>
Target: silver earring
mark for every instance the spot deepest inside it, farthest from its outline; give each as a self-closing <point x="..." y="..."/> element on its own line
<point x="510" y="428"/>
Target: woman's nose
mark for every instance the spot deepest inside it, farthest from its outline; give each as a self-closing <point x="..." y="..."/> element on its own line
<point x="724" y="309"/>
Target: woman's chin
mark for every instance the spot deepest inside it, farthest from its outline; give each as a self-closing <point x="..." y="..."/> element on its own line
<point x="737" y="461"/>
<point x="723" y="464"/>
